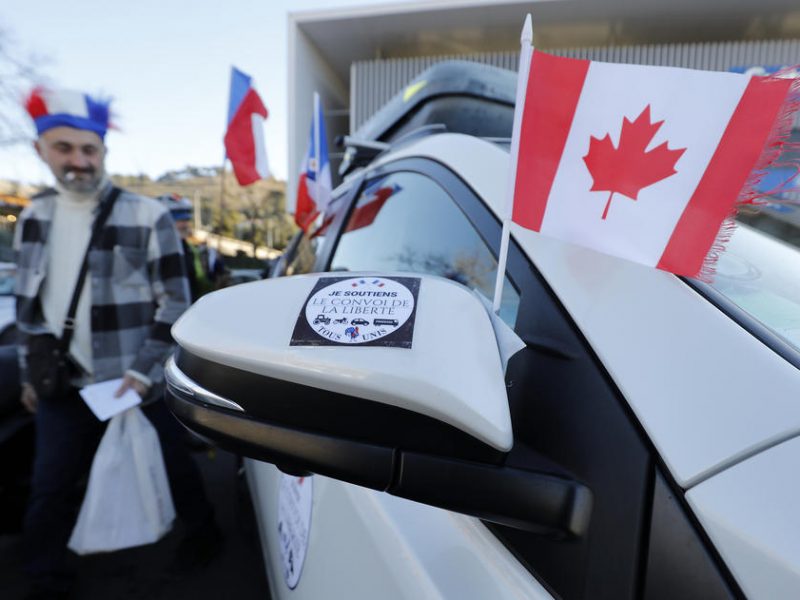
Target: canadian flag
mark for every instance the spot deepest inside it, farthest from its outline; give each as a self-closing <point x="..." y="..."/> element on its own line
<point x="641" y="162"/>
<point x="314" y="185"/>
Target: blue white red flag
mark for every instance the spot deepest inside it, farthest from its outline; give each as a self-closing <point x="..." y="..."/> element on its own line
<point x="370" y="203"/>
<point x="314" y="186"/>
<point x="244" y="138"/>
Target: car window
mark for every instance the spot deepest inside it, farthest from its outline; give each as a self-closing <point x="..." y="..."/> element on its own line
<point x="405" y="221"/>
<point x="303" y="251"/>
<point x="304" y="256"/>
<point x="760" y="268"/>
<point x="761" y="275"/>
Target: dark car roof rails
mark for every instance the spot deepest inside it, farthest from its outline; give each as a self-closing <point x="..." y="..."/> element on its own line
<point x="358" y="152"/>
<point x="349" y="141"/>
<point x="466" y="97"/>
<point x="420" y="132"/>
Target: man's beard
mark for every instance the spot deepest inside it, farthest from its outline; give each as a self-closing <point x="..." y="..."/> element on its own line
<point x="81" y="181"/>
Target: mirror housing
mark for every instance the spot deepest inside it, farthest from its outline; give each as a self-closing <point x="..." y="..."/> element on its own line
<point x="415" y="406"/>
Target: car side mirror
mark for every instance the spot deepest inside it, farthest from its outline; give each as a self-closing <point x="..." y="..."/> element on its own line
<point x="393" y="382"/>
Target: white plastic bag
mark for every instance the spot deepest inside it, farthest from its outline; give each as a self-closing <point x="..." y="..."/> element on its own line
<point x="127" y="502"/>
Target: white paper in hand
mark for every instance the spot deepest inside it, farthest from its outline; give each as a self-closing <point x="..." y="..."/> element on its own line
<point x="100" y="398"/>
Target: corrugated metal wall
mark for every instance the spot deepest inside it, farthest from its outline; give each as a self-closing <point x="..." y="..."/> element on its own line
<point x="374" y="82"/>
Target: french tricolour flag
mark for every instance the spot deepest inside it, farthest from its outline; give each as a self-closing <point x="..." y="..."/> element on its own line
<point x="314" y="184"/>
<point x="645" y="163"/>
<point x="244" y="139"/>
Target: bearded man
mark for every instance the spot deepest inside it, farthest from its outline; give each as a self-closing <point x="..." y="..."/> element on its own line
<point x="134" y="289"/>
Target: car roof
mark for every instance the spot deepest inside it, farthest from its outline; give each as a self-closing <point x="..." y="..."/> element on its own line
<point x="457" y="78"/>
<point x="676" y="358"/>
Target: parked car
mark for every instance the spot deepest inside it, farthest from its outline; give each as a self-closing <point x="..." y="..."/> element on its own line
<point x="238" y="276"/>
<point x="7" y="303"/>
<point x="642" y="444"/>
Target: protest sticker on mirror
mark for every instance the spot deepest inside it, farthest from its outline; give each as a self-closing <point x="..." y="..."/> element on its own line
<point x="359" y="311"/>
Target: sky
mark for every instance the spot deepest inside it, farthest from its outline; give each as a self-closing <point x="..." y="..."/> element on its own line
<point x="166" y="64"/>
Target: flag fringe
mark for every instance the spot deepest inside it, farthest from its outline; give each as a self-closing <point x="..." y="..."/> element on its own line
<point x="777" y="143"/>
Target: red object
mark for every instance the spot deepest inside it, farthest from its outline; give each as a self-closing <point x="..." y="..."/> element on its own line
<point x="35" y="104"/>
<point x="734" y="170"/>
<point x="365" y="214"/>
<point x="306" y="209"/>
<point x="630" y="167"/>
<point x="314" y="187"/>
<point x="545" y="123"/>
<point x="240" y="142"/>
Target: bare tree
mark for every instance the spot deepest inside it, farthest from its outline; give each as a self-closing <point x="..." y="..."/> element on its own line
<point x="19" y="72"/>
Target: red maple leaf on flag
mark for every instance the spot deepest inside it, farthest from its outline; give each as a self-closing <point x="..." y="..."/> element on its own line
<point x="630" y="167"/>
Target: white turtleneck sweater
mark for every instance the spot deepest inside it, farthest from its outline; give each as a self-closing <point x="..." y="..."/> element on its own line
<point x="69" y="236"/>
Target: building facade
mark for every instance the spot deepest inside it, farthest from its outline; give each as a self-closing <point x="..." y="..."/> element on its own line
<point x="358" y="58"/>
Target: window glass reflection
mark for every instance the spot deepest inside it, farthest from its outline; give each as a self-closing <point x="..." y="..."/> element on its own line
<point x="407" y="222"/>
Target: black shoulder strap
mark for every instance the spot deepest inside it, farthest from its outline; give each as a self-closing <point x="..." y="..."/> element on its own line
<point x="69" y="321"/>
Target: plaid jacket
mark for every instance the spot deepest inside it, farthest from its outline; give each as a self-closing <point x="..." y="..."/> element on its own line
<point x="138" y="284"/>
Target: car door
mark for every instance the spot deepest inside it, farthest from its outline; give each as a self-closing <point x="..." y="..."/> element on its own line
<point x="367" y="544"/>
<point x="568" y="417"/>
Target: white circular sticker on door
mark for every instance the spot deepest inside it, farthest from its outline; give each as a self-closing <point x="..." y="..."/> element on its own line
<point x="294" y="524"/>
<point x="359" y="310"/>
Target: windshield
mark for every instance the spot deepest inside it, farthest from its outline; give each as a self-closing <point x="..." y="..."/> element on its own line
<point x="761" y="275"/>
<point x="760" y="269"/>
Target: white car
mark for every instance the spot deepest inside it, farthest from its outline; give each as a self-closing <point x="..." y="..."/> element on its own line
<point x="644" y="442"/>
<point x="7" y="303"/>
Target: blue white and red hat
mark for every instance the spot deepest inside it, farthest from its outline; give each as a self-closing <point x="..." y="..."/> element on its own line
<point x="68" y="108"/>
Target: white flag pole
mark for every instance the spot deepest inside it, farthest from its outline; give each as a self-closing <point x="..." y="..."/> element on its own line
<point x="525" y="53"/>
<point x="317" y="158"/>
